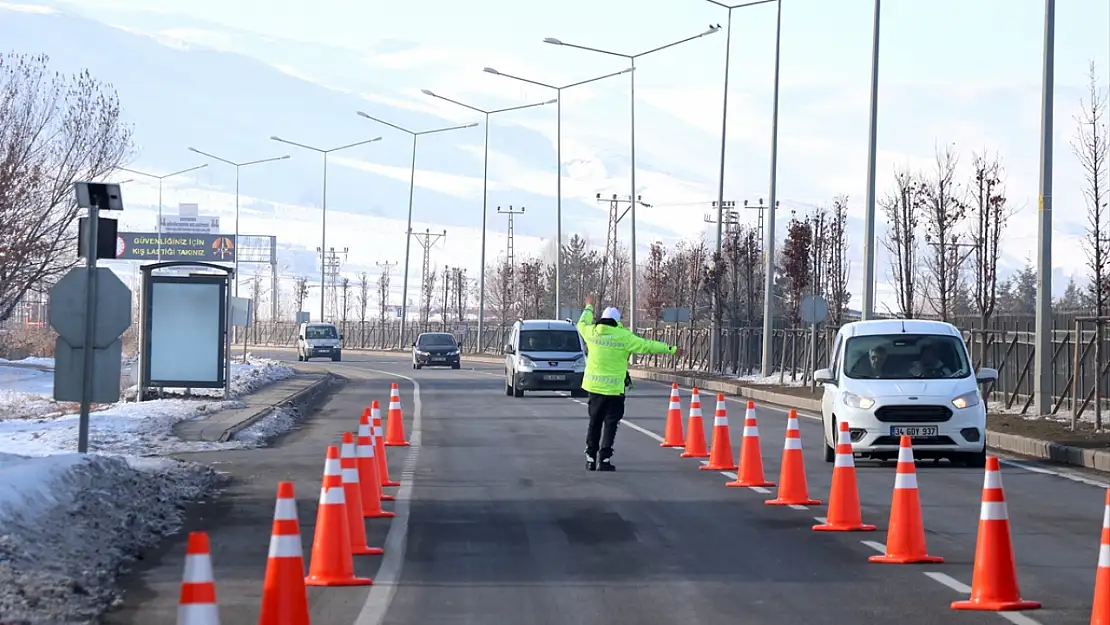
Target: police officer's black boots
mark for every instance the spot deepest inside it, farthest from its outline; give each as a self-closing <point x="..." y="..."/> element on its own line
<point x="591" y="463"/>
<point x="606" y="464"/>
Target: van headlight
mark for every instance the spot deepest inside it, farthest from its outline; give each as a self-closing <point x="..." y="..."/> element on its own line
<point x="525" y="364"/>
<point x="580" y="363"/>
<point x="967" y="400"/>
<point x="858" y="401"/>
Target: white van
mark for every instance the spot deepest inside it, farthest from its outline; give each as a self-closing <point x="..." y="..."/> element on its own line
<point x="544" y="355"/>
<point x="893" y="377"/>
<point x="319" y="340"/>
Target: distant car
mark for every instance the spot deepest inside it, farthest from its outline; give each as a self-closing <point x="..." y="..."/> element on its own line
<point x="544" y="355"/>
<point x="436" y="349"/>
<point x="893" y="377"/>
<point x="319" y="340"/>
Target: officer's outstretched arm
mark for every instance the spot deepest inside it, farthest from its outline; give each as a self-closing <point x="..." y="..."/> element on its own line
<point x="639" y="345"/>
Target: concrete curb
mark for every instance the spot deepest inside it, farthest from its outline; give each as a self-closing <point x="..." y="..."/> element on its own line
<point x="1012" y="443"/>
<point x="303" y="400"/>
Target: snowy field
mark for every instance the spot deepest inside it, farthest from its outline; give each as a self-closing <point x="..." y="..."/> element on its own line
<point x="69" y="522"/>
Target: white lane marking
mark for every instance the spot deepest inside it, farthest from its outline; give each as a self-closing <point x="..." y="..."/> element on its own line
<point x="881" y="548"/>
<point x="820" y="519"/>
<point x="644" y="431"/>
<point x="949" y="581"/>
<point x="1018" y="618"/>
<point x="389" y="573"/>
<point x="795" y="506"/>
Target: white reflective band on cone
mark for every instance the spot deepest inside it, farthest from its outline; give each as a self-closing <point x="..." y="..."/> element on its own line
<point x="350" y="476"/>
<point x="332" y="467"/>
<point x="332" y="495"/>
<point x="905" y="454"/>
<point x="844" y="460"/>
<point x="198" y="614"/>
<point x="365" y="451"/>
<point x="751" y="430"/>
<point x="198" y="569"/>
<point x="720" y="420"/>
<point x="285" y="510"/>
<point x="285" y="547"/>
<point x="905" y="480"/>
<point x="992" y="479"/>
<point x="993" y="511"/>
<point x="1103" y="556"/>
<point x="793" y="443"/>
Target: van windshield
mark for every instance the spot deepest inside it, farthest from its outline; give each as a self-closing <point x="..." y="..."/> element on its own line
<point x="320" y="332"/>
<point x="906" y="357"/>
<point x="550" y="341"/>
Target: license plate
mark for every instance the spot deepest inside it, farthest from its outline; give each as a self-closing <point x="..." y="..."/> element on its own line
<point x="914" y="430"/>
<point x="438" y="358"/>
<point x="555" y="378"/>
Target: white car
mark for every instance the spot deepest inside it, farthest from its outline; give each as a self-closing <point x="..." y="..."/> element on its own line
<point x="893" y="377"/>
<point x="319" y="340"/>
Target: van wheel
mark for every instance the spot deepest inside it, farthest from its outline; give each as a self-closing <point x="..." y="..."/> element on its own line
<point x="300" y="358"/>
<point x="830" y="452"/>
<point x="508" y="388"/>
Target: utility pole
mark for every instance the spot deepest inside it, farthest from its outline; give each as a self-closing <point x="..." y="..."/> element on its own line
<point x="768" y="240"/>
<point x="730" y="218"/>
<point x="609" y="260"/>
<point x="427" y="240"/>
<point x="460" y="291"/>
<point x="330" y="264"/>
<point x="510" y="250"/>
<point x="383" y="288"/>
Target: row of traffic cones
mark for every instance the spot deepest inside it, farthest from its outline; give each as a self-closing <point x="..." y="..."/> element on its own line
<point x="994" y="581"/>
<point x="355" y="473"/>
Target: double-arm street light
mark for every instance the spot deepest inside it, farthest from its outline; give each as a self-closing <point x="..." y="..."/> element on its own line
<point x="237" y="166"/>
<point x="632" y="196"/>
<point x="769" y="243"/>
<point x="324" y="208"/>
<point x="160" y="179"/>
<point x="485" y="196"/>
<point x="559" y="159"/>
<point x="408" y="228"/>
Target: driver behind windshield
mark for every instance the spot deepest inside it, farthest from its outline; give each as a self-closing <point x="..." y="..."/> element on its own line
<point x="928" y="365"/>
<point x="872" y="366"/>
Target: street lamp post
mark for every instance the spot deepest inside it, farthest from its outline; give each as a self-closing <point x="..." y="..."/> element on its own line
<point x="559" y="159"/>
<point x="485" y="197"/>
<point x="632" y="196"/>
<point x="237" y="166"/>
<point x="868" y="309"/>
<point x="1042" y="393"/>
<point x="160" y="179"/>
<point x="769" y="244"/>
<point x="324" y="208"/>
<point x="408" y="229"/>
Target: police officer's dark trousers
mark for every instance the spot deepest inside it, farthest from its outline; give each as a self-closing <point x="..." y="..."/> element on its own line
<point x="606" y="411"/>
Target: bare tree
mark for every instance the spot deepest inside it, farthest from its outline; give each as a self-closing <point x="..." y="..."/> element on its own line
<point x="655" y="279"/>
<point x="461" y="292"/>
<point x="837" y="266"/>
<point x="54" y="130"/>
<point x="901" y="208"/>
<point x="255" y="286"/>
<point x="944" y="211"/>
<point x="383" y="296"/>
<point x="429" y="291"/>
<point x="498" y="288"/>
<point x="363" y="299"/>
<point x="797" y="265"/>
<point x="300" y="294"/>
<point x="989" y="214"/>
<point x="344" y="300"/>
<point x="1092" y="149"/>
<point x="531" y="293"/>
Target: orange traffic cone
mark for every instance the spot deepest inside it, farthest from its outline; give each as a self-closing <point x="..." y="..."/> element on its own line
<point x="1100" y="609"/>
<point x="197" y="603"/>
<point x="844" y="509"/>
<point x="379" y="448"/>
<point x="352" y="492"/>
<point x="332" y="562"/>
<point x="720" y="450"/>
<point x="751" y="455"/>
<point x="370" y="484"/>
<point x="284" y="601"/>
<point x="394" y="425"/>
<point x="905" y="536"/>
<point x="672" y="434"/>
<point x="994" y="583"/>
<point x="793" y="490"/>
<point x="695" y="430"/>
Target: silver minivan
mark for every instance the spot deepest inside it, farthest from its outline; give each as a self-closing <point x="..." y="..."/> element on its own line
<point x="544" y="355"/>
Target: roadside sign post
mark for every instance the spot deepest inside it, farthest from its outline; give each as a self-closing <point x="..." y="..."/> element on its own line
<point x="815" y="310"/>
<point x="90" y="308"/>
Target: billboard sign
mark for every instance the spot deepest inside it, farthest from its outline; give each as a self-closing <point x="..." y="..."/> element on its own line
<point x="145" y="246"/>
<point x="172" y="224"/>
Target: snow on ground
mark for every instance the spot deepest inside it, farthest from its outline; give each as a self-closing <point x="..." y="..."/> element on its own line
<point x="69" y="522"/>
<point x="775" y="379"/>
<point x="31" y="423"/>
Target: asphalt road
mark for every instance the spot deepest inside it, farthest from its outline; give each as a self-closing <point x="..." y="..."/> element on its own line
<point x="499" y="523"/>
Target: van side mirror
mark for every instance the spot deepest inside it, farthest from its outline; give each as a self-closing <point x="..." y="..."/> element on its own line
<point x="414" y="343"/>
<point x="986" y="374"/>
<point x="340" y="336"/>
<point x="508" y="349"/>
<point x="824" y="376"/>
